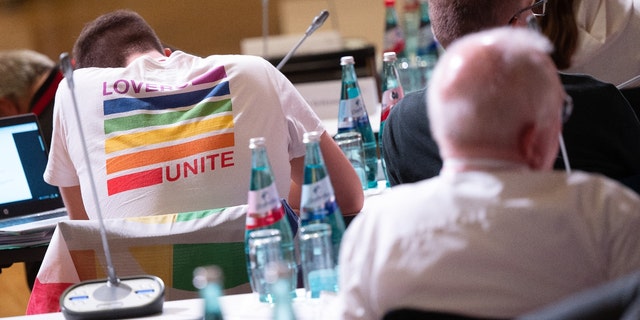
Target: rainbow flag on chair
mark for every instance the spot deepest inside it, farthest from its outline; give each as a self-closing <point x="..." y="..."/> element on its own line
<point x="168" y="246"/>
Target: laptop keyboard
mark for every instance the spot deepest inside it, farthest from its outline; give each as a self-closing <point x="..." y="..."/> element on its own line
<point x="33" y="218"/>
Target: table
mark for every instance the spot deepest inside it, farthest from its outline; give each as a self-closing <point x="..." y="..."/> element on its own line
<point x="239" y="306"/>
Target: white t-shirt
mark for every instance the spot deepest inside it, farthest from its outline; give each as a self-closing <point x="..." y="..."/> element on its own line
<point x="173" y="135"/>
<point x="487" y="244"/>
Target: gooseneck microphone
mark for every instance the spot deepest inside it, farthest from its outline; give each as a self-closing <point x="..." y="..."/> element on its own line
<point x="67" y="69"/>
<point x="112" y="298"/>
<point x="317" y="22"/>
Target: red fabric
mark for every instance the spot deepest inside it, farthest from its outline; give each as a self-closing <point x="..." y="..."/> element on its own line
<point x="47" y="95"/>
<point x="45" y="297"/>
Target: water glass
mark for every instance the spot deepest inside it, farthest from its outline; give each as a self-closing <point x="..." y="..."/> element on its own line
<point x="318" y="268"/>
<point x="415" y="73"/>
<point x="351" y="145"/>
<point x="264" y="249"/>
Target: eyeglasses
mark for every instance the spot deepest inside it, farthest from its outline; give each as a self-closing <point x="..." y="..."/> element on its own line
<point x="567" y="108"/>
<point x="539" y="8"/>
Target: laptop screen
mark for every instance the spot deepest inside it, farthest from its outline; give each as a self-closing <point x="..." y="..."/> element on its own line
<point x="23" y="158"/>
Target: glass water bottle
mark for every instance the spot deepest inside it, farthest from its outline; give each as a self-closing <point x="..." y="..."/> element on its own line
<point x="353" y="116"/>
<point x="392" y="93"/>
<point x="318" y="201"/>
<point x="265" y="211"/>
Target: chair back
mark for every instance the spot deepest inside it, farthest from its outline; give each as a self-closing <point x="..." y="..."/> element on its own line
<point x="168" y="246"/>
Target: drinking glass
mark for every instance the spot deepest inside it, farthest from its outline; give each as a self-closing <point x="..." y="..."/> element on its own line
<point x="318" y="268"/>
<point x="264" y="248"/>
<point x="351" y="145"/>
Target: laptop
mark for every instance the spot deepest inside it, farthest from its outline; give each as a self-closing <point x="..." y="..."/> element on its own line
<point x="27" y="202"/>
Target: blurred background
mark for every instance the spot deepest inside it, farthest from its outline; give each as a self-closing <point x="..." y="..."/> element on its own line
<point x="201" y="27"/>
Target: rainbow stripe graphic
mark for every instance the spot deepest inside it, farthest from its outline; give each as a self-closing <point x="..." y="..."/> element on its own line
<point x="143" y="135"/>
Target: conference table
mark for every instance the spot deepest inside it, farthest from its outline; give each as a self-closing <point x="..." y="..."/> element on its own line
<point x="239" y="306"/>
<point x="243" y="306"/>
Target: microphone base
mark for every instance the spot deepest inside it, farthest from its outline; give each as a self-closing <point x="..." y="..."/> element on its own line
<point x="112" y="292"/>
<point x="98" y="299"/>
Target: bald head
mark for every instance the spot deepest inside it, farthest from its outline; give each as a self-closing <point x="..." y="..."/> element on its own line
<point x="496" y="94"/>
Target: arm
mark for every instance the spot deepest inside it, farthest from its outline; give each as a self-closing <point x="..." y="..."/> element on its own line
<point x="295" y="191"/>
<point x="72" y="198"/>
<point x="344" y="179"/>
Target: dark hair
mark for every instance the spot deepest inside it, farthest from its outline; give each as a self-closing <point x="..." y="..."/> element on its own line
<point x="559" y="25"/>
<point x="452" y="19"/>
<point x="107" y="41"/>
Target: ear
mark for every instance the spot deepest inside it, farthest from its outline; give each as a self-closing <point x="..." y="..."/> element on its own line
<point x="8" y="107"/>
<point x="167" y="52"/>
<point x="529" y="146"/>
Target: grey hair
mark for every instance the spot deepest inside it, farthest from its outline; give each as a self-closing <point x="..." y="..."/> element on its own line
<point x="19" y="69"/>
<point x="497" y="99"/>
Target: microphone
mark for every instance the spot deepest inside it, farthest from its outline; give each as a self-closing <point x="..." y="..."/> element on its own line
<point x="114" y="298"/>
<point x="317" y="22"/>
<point x="265" y="26"/>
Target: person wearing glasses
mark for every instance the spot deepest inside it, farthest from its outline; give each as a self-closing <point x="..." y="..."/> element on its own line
<point x="538" y="8"/>
<point x="602" y="135"/>
<point x="609" y="54"/>
<point x="498" y="233"/>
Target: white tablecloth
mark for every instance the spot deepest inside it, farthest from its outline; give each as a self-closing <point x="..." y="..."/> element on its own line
<point x="239" y="306"/>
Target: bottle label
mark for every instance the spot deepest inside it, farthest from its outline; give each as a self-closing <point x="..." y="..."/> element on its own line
<point x="318" y="200"/>
<point x="426" y="42"/>
<point x="351" y="112"/>
<point x="389" y="99"/>
<point x="394" y="40"/>
<point x="264" y="207"/>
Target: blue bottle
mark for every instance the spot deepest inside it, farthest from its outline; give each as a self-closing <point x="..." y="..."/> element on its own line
<point x="427" y="45"/>
<point x="394" y="39"/>
<point x="265" y="211"/>
<point x="279" y="281"/>
<point x="392" y="93"/>
<point x="353" y="116"/>
<point x="411" y="17"/>
<point x="318" y="202"/>
<point x="208" y="280"/>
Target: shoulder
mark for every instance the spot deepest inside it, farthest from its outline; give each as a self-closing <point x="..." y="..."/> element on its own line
<point x="412" y="103"/>
<point x="412" y="108"/>
<point x="385" y="219"/>
<point x="602" y="191"/>
<point x="247" y="69"/>
<point x="596" y="96"/>
<point x="241" y="61"/>
<point x="583" y="82"/>
<point x="399" y="200"/>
